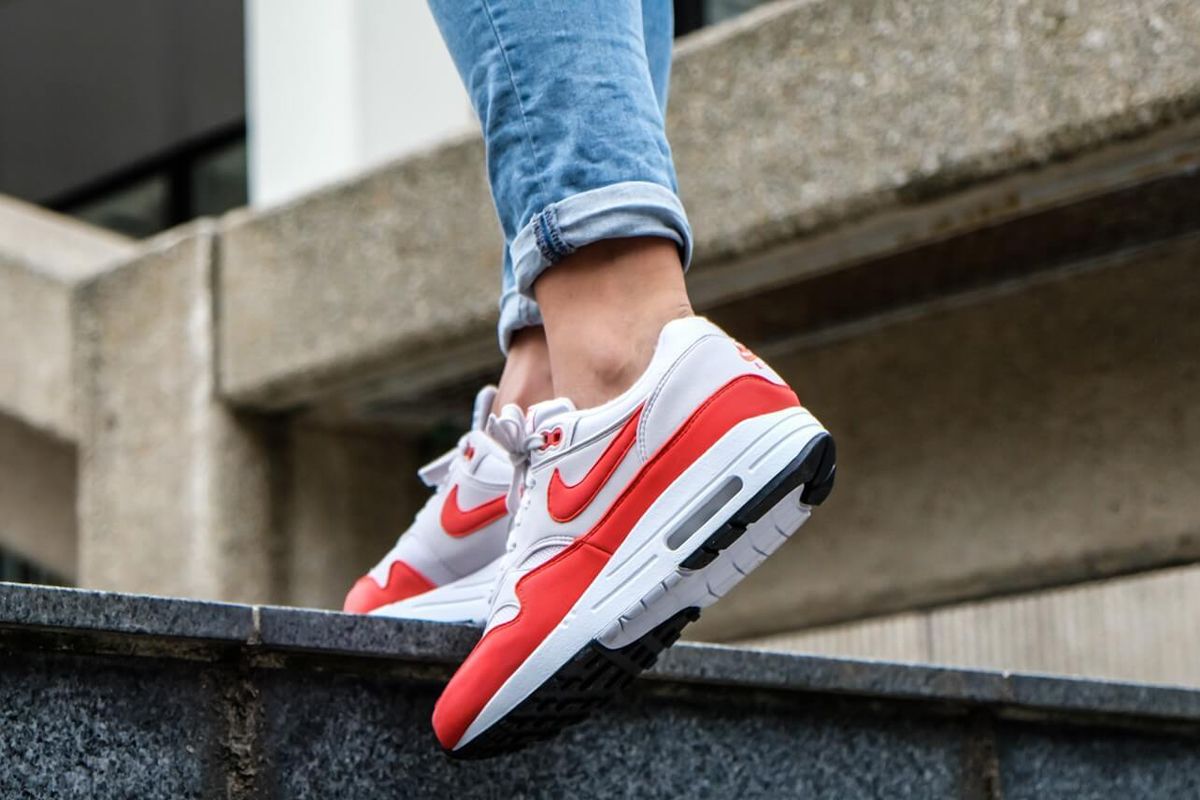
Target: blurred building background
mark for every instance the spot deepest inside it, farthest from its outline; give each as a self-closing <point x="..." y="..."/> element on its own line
<point x="968" y="234"/>
<point x="149" y="114"/>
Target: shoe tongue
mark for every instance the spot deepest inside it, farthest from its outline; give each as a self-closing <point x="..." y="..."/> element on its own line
<point x="483" y="407"/>
<point x="542" y="414"/>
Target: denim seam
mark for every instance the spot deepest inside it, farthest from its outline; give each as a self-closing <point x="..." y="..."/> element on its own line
<point x="539" y="238"/>
<point x="548" y="235"/>
<point x="556" y="241"/>
<point x="512" y="81"/>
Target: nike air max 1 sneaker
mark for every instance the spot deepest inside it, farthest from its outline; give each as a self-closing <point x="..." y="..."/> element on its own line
<point x="632" y="517"/>
<point x="443" y="567"/>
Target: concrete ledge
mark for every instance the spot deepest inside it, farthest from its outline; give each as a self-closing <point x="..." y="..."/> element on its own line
<point x="151" y="697"/>
<point x="815" y="116"/>
<point x="43" y="256"/>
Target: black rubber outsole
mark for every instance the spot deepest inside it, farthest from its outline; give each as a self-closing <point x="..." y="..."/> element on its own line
<point x="596" y="673"/>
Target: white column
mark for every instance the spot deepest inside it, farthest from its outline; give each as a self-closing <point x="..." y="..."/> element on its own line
<point x="337" y="86"/>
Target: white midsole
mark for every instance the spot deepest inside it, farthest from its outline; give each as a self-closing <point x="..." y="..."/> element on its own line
<point x="463" y="600"/>
<point x="755" y="451"/>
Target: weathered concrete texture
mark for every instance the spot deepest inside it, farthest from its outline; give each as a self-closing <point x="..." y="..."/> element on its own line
<point x="810" y="114"/>
<point x="895" y="637"/>
<point x="175" y="489"/>
<point x="42" y="257"/>
<point x="834" y="109"/>
<point x="37" y="496"/>
<point x="1140" y="628"/>
<point x="1044" y="436"/>
<point x="401" y="264"/>
<point x="349" y="494"/>
<point x="1143" y="627"/>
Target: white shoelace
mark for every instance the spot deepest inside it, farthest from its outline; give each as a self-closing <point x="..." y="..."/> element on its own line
<point x="511" y="430"/>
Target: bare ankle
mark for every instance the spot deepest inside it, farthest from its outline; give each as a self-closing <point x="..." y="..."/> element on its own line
<point x="526" y="378"/>
<point x="604" y="307"/>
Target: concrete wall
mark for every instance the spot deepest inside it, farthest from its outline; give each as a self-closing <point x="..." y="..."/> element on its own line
<point x="1137" y="628"/>
<point x="42" y="258"/>
<point x="790" y="121"/>
<point x="175" y="488"/>
<point x="37" y="497"/>
<point x="349" y="495"/>
<point x="1046" y="434"/>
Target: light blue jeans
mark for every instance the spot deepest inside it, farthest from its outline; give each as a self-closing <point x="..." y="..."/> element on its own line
<point x="571" y="96"/>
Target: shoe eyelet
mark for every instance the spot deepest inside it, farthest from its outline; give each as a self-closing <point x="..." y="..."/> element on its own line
<point x="551" y="438"/>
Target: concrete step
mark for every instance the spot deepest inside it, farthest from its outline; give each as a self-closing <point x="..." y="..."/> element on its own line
<point x="109" y="695"/>
<point x="1139" y="627"/>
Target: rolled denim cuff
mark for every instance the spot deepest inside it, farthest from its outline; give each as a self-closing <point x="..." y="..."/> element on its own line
<point x="619" y="211"/>
<point x="516" y="312"/>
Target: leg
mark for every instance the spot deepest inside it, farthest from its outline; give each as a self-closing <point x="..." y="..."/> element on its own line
<point x="526" y="378"/>
<point x="604" y="333"/>
<point x="604" y="307"/>
<point x="570" y="97"/>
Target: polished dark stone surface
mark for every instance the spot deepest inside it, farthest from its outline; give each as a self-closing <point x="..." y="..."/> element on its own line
<point x="74" y="726"/>
<point x="347" y="737"/>
<point x="1094" y="763"/>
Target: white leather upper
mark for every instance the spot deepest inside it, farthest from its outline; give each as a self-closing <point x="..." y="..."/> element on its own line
<point x="692" y="360"/>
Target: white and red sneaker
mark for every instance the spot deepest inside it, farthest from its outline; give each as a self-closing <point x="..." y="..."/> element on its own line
<point x="443" y="567"/>
<point x="634" y="515"/>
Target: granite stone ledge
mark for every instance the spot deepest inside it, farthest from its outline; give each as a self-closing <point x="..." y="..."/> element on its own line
<point x="1055" y="695"/>
<point x="78" y="725"/>
<point x="68" y="610"/>
<point x="268" y="629"/>
<point x="1089" y="764"/>
<point x="334" y="633"/>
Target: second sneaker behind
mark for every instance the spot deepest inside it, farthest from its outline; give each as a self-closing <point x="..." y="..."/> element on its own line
<point x="443" y="567"/>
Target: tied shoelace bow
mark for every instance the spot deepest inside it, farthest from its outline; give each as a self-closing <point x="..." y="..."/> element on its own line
<point x="511" y="430"/>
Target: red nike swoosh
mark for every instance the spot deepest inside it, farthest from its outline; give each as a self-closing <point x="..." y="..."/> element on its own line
<point x="568" y="502"/>
<point x="457" y="522"/>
